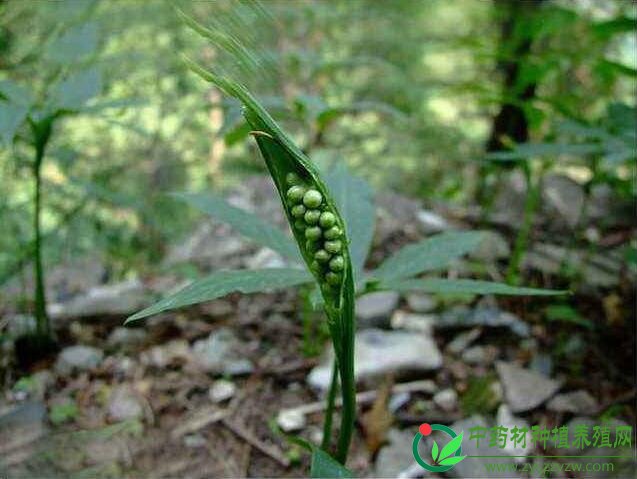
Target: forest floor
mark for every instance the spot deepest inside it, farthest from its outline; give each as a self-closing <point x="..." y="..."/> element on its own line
<point x="211" y="390"/>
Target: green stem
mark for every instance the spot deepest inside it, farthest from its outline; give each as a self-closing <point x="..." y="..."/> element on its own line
<point x="329" y="411"/>
<point x="522" y="239"/>
<point x="348" y="390"/>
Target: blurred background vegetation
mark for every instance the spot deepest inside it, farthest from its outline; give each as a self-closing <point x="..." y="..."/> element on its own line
<point x="415" y="96"/>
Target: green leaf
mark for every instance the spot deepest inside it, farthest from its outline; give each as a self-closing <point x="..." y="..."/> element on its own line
<point x="223" y="282"/>
<point x="11" y="117"/>
<point x="74" y="44"/>
<point x="323" y="465"/>
<point x="435" y="452"/>
<point x="432" y="254"/>
<point x="451" y="447"/>
<point x="16" y="93"/>
<point x="450" y="461"/>
<point x="355" y="200"/>
<point x="244" y="222"/>
<point x="467" y="286"/>
<point x="72" y="94"/>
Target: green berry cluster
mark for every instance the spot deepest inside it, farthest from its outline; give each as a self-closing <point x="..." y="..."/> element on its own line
<point x="322" y="234"/>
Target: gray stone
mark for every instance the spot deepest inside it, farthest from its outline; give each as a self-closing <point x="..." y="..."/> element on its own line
<point x="379" y="352"/>
<point x="562" y="198"/>
<point x="20" y="427"/>
<point x="480" y="355"/>
<point x="431" y="222"/>
<point x="265" y="258"/>
<point x="508" y="206"/>
<point x="506" y="418"/>
<point x="221" y="353"/>
<point x="463" y="340"/>
<point x="222" y="390"/>
<point x="20" y="324"/>
<point x="375" y="309"/>
<point x="470" y="468"/>
<point x="290" y="420"/>
<point x="124" y="404"/>
<point x="123" y="336"/>
<point x="78" y="358"/>
<point x="120" y="299"/>
<point x="421" y="303"/>
<point x="524" y="389"/>
<point x="447" y="399"/>
<point x="395" y="458"/>
<point x="492" y="248"/>
<point x="462" y="316"/>
<point x="576" y="402"/>
<point x="422" y="323"/>
<point x="175" y="351"/>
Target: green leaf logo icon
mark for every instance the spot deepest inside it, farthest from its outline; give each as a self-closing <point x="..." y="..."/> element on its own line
<point x="441" y="460"/>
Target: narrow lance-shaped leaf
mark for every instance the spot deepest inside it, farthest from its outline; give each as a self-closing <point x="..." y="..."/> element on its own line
<point x="246" y="223"/>
<point x="318" y="228"/>
<point x="221" y="283"/>
<point x="435" y="452"/>
<point x="451" y="447"/>
<point x="432" y="254"/>
<point x="466" y="286"/>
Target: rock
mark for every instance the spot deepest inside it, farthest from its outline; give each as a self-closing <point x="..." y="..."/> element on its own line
<point x="422" y="323"/>
<point x="598" y="270"/>
<point x="482" y="316"/>
<point x="211" y="245"/>
<point x="421" y="303"/>
<point x="398" y="400"/>
<point x="480" y="355"/>
<point x="396" y="457"/>
<point x="124" y="404"/>
<point x="222" y="390"/>
<point x="524" y="389"/>
<point x="468" y="468"/>
<point x="221" y="353"/>
<point x="375" y="309"/>
<point x="175" y="351"/>
<point x="395" y="215"/>
<point x="492" y="248"/>
<point x="380" y="352"/>
<point x="562" y="199"/>
<point x="78" y="358"/>
<point x="195" y="441"/>
<point x="576" y="402"/>
<point x="463" y="340"/>
<point x="123" y="336"/>
<point x="431" y="222"/>
<point x="120" y="299"/>
<point x="265" y="258"/>
<point x="506" y="418"/>
<point x="290" y="420"/>
<point x="447" y="400"/>
<point x="508" y="206"/>
<point x="20" y="325"/>
<point x="20" y="427"/>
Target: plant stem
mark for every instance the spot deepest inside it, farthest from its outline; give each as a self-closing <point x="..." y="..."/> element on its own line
<point x="42" y="133"/>
<point x="522" y="239"/>
<point x="348" y="390"/>
<point x="329" y="411"/>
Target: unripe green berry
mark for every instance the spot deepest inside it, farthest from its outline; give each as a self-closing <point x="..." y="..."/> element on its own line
<point x="298" y="211"/>
<point x="337" y="263"/>
<point x="312" y="199"/>
<point x="313" y="233"/>
<point x="300" y="225"/>
<point x="327" y="219"/>
<point x="333" y="246"/>
<point x="333" y="233"/>
<point x="292" y="179"/>
<point x="315" y="266"/>
<point x="312" y="216"/>
<point x="295" y="194"/>
<point x="333" y="278"/>
<point x="322" y="256"/>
